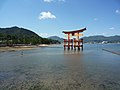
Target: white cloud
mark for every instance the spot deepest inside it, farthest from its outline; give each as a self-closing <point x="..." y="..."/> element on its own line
<point x="117" y="11"/>
<point x="46" y="15"/>
<point x="48" y="1"/>
<point x="111" y="28"/>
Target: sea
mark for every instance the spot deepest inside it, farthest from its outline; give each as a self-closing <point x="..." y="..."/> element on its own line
<point x="53" y="68"/>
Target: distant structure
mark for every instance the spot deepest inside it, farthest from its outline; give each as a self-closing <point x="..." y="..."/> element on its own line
<point x="73" y="40"/>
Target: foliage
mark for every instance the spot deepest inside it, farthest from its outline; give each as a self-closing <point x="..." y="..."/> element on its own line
<point x="15" y="35"/>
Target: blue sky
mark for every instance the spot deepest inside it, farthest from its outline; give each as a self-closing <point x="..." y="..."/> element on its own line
<point x="51" y="17"/>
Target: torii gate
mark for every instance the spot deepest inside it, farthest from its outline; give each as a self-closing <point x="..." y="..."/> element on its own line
<point x="74" y="42"/>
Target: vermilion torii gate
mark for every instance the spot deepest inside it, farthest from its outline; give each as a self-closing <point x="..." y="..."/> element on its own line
<point x="74" y="42"/>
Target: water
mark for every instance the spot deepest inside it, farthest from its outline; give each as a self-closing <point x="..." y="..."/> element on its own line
<point x="52" y="68"/>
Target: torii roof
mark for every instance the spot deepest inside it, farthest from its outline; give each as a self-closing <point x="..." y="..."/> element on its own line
<point x="75" y="31"/>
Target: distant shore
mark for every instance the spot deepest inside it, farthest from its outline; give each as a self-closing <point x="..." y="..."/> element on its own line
<point x="25" y="47"/>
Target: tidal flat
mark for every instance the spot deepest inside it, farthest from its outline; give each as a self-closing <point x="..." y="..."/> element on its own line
<point x="52" y="68"/>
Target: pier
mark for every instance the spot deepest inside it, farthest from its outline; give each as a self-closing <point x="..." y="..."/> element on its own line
<point x="73" y="40"/>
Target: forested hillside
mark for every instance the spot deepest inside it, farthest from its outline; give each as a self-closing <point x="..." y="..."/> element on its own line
<point x="16" y="35"/>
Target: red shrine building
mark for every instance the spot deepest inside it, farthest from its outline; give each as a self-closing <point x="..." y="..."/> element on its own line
<point x="73" y="40"/>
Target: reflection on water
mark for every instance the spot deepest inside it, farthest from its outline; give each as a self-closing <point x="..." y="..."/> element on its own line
<point x="52" y="68"/>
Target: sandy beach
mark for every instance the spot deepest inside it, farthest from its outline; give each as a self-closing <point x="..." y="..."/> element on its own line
<point x="17" y="48"/>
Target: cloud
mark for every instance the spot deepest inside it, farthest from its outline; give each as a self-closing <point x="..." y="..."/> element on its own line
<point x="117" y="11"/>
<point x="46" y="15"/>
<point x="48" y="1"/>
<point x="111" y="28"/>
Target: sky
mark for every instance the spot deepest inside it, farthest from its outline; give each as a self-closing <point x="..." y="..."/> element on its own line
<point x="51" y="17"/>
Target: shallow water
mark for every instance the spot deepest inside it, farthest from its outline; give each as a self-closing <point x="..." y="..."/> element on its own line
<point x="52" y="68"/>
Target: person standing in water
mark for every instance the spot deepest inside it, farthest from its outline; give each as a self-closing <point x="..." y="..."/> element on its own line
<point x="22" y="52"/>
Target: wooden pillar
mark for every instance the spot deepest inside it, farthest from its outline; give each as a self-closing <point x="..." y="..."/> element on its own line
<point x="74" y="44"/>
<point x="82" y="44"/>
<point x="68" y="41"/>
<point x="78" y="36"/>
<point x="78" y="42"/>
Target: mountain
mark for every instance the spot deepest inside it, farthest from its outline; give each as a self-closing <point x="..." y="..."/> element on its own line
<point x="56" y="38"/>
<point x="16" y="35"/>
<point x="100" y="38"/>
<point x="16" y="31"/>
<point x="94" y="39"/>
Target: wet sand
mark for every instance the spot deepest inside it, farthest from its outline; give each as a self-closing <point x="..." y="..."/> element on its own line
<point x="17" y="48"/>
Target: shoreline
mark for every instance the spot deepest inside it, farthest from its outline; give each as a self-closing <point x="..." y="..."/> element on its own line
<point x="25" y="47"/>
